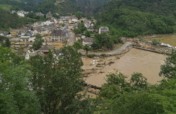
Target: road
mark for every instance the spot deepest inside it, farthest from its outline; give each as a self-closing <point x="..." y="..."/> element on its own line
<point x="124" y="48"/>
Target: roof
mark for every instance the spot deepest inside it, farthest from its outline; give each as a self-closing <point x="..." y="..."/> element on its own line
<point x="104" y="28"/>
<point x="58" y="32"/>
<point x="46" y="48"/>
<point x="88" y="39"/>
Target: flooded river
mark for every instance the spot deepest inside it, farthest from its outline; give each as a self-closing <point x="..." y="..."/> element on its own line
<point x="135" y="60"/>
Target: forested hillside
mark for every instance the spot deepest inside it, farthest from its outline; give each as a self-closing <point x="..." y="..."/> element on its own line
<point x="9" y="20"/>
<point x="139" y="17"/>
<point x="87" y="7"/>
<point x="21" y="4"/>
<point x="61" y="6"/>
<point x="43" y="6"/>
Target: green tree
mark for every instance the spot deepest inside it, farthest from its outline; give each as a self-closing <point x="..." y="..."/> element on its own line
<point x="138" y="81"/>
<point x="168" y="70"/>
<point x="138" y="17"/>
<point x="81" y="28"/>
<point x="57" y="80"/>
<point x="102" y="41"/>
<point x="119" y="96"/>
<point x="16" y="95"/>
<point x="8" y="20"/>
<point x="87" y="49"/>
<point x="137" y="103"/>
<point x="78" y="45"/>
<point x="87" y="33"/>
<point x="38" y="42"/>
<point x="4" y="41"/>
<point x="117" y="84"/>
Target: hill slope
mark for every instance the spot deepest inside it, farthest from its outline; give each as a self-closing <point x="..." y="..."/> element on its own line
<point x="22" y="4"/>
<point x="88" y="7"/>
<point x="140" y="17"/>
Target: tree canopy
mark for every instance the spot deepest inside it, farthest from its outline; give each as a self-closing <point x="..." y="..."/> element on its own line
<point x="45" y="84"/>
<point x="136" y="97"/>
<point x="139" y="17"/>
<point x="16" y="95"/>
<point x="37" y="42"/>
<point x="168" y="70"/>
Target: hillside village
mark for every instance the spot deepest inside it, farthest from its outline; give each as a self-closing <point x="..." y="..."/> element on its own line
<point x="56" y="33"/>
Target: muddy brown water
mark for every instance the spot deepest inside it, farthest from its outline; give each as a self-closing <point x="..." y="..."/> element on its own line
<point x="147" y="63"/>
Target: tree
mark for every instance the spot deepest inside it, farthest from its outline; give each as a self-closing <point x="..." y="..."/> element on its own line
<point x="138" y="81"/>
<point x="4" y="41"/>
<point x="81" y="28"/>
<point x="103" y="41"/>
<point x="86" y="48"/>
<point x="119" y="96"/>
<point x="137" y="103"/>
<point x="7" y="43"/>
<point x="138" y="17"/>
<point x="57" y="80"/>
<point x="168" y="70"/>
<point x="117" y="85"/>
<point x="16" y="95"/>
<point x="87" y="33"/>
<point x="79" y="15"/>
<point x="8" y="20"/>
<point x="78" y="45"/>
<point x="38" y="42"/>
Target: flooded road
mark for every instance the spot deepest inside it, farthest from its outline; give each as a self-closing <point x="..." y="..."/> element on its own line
<point x="135" y="60"/>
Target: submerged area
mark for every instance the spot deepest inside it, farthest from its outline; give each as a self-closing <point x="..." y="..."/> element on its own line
<point x="145" y="62"/>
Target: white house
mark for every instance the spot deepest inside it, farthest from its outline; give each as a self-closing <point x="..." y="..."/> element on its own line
<point x="103" y="29"/>
<point x="21" y="13"/>
<point x="59" y="35"/>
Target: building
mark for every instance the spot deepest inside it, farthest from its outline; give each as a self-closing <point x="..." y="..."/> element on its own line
<point x="87" y="41"/>
<point x="103" y="29"/>
<point x="59" y="35"/>
<point x="45" y="49"/>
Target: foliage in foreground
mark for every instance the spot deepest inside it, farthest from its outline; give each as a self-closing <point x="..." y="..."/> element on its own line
<point x="16" y="96"/>
<point x="50" y="84"/>
<point x="168" y="70"/>
<point x="57" y="80"/>
<point x="137" y="97"/>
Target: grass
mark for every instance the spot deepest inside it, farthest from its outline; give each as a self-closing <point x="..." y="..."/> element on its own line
<point x="5" y="7"/>
<point x="169" y="39"/>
